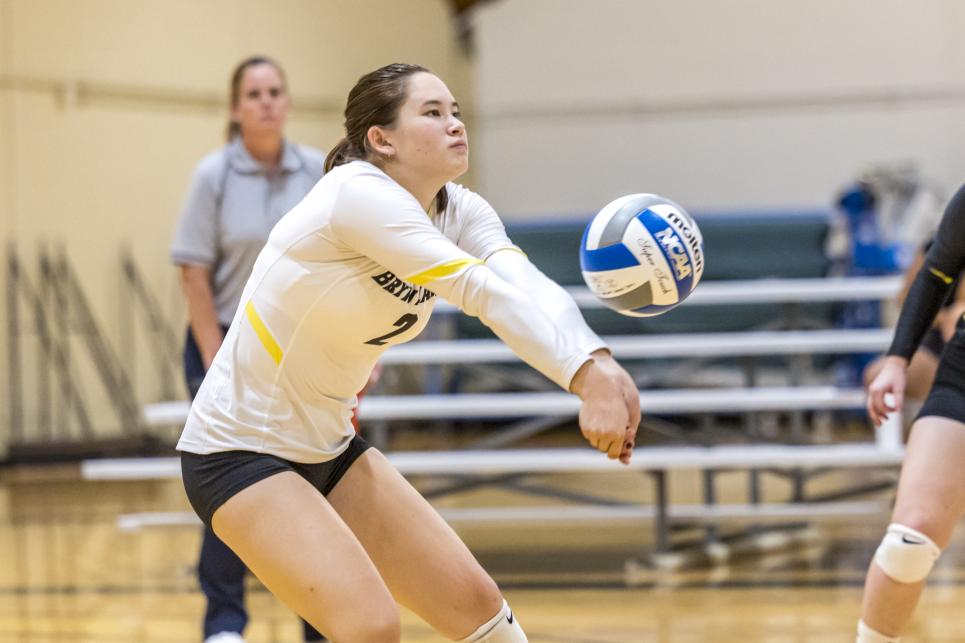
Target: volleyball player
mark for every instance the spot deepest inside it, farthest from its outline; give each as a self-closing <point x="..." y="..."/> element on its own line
<point x="931" y="491"/>
<point x="924" y="361"/>
<point x="269" y="457"/>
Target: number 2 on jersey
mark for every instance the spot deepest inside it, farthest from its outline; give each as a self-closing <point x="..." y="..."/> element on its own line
<point x="403" y="323"/>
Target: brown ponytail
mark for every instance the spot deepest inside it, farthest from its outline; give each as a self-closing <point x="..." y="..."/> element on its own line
<point x="342" y="153"/>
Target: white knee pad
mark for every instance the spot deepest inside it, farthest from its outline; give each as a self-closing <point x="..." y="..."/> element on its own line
<point x="906" y="555"/>
<point x="502" y="628"/>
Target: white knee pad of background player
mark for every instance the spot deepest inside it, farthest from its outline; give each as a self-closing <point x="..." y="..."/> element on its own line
<point x="906" y="555"/>
<point x="502" y="628"/>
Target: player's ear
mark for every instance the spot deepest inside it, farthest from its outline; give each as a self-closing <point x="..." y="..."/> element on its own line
<point x="380" y="141"/>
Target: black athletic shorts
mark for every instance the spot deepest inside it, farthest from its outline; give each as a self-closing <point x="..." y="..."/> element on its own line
<point x="210" y="480"/>
<point x="947" y="396"/>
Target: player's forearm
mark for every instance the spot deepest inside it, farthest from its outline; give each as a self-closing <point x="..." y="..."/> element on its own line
<point x="520" y="322"/>
<point x="924" y="299"/>
<point x="552" y="299"/>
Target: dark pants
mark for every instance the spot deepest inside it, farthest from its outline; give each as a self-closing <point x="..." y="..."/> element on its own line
<point x="220" y="572"/>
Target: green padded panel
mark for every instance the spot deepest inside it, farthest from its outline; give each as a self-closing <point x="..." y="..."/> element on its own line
<point x="746" y="246"/>
<point x="736" y="246"/>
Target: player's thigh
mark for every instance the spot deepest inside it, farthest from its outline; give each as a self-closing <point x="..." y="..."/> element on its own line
<point x="292" y="539"/>
<point x="931" y="491"/>
<point x="425" y="563"/>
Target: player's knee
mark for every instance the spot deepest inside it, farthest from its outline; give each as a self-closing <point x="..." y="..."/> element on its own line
<point x="487" y="598"/>
<point x="906" y="555"/>
<point x="385" y="627"/>
<point x="377" y="622"/>
<point x="502" y="628"/>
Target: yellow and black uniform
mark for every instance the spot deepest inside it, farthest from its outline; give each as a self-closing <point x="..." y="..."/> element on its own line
<point x="933" y="341"/>
<point x="935" y="283"/>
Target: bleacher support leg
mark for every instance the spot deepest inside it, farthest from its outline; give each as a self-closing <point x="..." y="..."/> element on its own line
<point x="710" y="498"/>
<point x="661" y="525"/>
<point x="888" y="435"/>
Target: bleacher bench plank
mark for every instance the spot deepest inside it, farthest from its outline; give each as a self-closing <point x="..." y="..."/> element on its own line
<point x="499" y="516"/>
<point x="751" y="343"/>
<point x="763" y="291"/>
<point x="501" y="461"/>
<point x="517" y="405"/>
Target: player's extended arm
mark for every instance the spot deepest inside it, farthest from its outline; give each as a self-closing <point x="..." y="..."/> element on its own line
<point x="943" y="263"/>
<point x="514" y="267"/>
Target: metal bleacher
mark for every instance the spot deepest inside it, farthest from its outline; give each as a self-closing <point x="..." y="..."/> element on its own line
<point x="786" y="315"/>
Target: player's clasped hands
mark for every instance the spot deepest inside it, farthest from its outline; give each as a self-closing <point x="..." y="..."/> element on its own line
<point x="610" y="412"/>
<point x="887" y="391"/>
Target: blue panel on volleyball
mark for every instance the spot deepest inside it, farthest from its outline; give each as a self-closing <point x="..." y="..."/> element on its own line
<point x="656" y="225"/>
<point x="607" y="258"/>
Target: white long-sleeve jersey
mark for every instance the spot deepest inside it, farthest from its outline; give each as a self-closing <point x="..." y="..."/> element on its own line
<point x="351" y="270"/>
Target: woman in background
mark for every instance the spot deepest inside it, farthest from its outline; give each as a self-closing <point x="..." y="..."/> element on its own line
<point x="237" y="195"/>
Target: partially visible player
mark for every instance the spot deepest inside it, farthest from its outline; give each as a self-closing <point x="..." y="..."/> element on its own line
<point x="931" y="491"/>
<point x="924" y="362"/>
<point x="269" y="456"/>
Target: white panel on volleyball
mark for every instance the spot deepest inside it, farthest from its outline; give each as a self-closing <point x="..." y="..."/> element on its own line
<point x="617" y="281"/>
<point x="603" y="218"/>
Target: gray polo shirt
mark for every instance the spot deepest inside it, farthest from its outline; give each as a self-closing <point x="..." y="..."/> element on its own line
<point x="232" y="206"/>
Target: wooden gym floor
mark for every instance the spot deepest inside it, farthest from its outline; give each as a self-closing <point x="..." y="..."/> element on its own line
<point x="68" y="574"/>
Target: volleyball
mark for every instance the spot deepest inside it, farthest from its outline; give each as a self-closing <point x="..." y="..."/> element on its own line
<point x="642" y="255"/>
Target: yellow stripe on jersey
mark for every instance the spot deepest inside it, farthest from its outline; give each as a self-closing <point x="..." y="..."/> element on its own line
<point x="442" y="270"/>
<point x="941" y="275"/>
<point x="263" y="333"/>
<point x="512" y="248"/>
